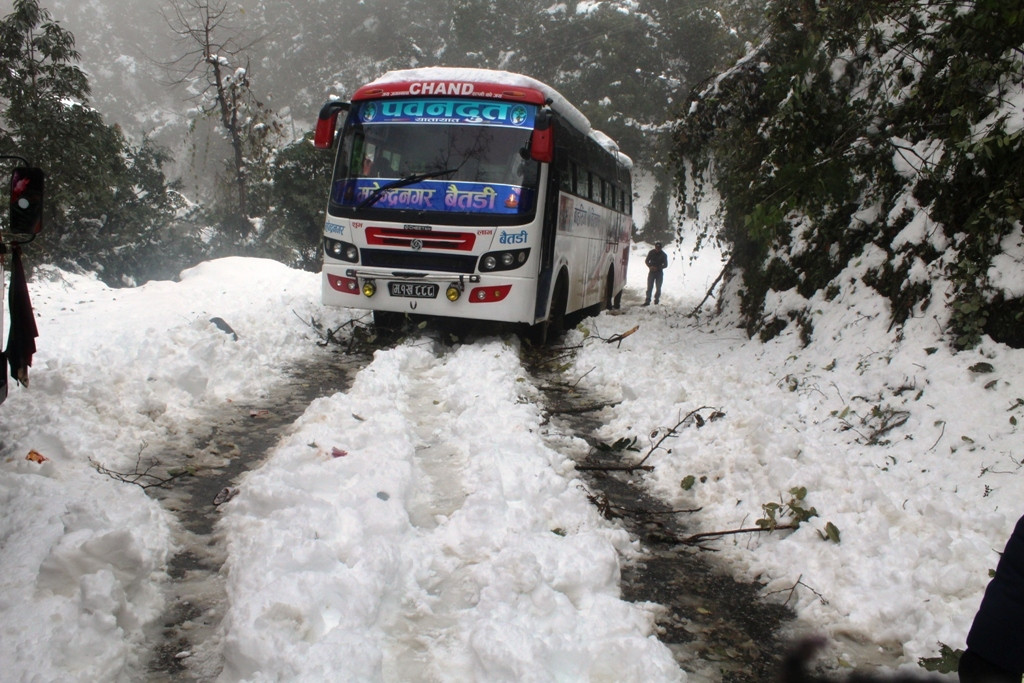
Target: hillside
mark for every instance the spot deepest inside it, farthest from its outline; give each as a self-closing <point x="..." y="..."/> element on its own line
<point x="875" y="140"/>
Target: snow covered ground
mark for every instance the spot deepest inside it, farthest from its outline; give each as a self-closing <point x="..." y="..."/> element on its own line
<point x="418" y="526"/>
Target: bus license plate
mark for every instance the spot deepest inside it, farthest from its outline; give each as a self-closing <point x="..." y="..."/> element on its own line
<point x="413" y="290"/>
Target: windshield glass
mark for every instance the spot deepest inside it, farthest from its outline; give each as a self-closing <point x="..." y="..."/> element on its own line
<point x="437" y="155"/>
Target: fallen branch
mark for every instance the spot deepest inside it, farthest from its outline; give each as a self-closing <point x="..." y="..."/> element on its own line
<point x="693" y="415"/>
<point x="941" y="433"/>
<point x="617" y="338"/>
<point x="711" y="289"/>
<point x="792" y="590"/>
<point x="328" y="336"/>
<point x="552" y="356"/>
<point x="896" y="418"/>
<point x="696" y="538"/>
<point x="143" y="478"/>
<point x="576" y="383"/>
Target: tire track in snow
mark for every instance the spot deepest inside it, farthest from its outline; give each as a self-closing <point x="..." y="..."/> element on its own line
<point x="231" y="441"/>
<point x="463" y="554"/>
<point x="439" y="460"/>
<point x="448" y="543"/>
<point x="439" y="463"/>
<point x="717" y="628"/>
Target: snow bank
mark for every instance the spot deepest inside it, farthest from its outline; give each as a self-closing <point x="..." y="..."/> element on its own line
<point x="118" y="373"/>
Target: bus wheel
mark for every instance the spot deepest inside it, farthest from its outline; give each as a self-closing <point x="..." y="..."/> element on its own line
<point x="544" y="333"/>
<point x="609" y="292"/>
<point x="559" y="302"/>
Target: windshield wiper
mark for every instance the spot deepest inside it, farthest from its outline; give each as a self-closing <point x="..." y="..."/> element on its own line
<point x="402" y="182"/>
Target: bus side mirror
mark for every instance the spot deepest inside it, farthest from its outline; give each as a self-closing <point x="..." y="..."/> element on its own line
<point x="327" y="123"/>
<point x="542" y="142"/>
<point x="27" y="189"/>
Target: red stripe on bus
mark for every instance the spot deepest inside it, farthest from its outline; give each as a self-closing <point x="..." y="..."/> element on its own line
<point x="434" y="239"/>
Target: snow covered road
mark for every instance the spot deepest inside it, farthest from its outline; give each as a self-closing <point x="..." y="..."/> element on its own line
<point x="418" y="528"/>
<point x="421" y="521"/>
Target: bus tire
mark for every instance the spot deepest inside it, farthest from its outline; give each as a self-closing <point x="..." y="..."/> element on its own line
<point x="559" y="302"/>
<point x="543" y="333"/>
<point x="608" y="301"/>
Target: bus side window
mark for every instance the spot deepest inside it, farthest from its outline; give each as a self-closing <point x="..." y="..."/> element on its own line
<point x="565" y="175"/>
<point x="581" y="183"/>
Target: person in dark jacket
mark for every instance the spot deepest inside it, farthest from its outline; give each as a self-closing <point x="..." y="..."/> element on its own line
<point x="657" y="262"/>
<point x="995" y="643"/>
<point x="21" y="340"/>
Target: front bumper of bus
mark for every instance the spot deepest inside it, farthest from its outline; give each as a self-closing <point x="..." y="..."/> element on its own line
<point x="431" y="293"/>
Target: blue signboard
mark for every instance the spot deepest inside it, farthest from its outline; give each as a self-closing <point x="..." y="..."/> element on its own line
<point x="438" y="195"/>
<point x="449" y="111"/>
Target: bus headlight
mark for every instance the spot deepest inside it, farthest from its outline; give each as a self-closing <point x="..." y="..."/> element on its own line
<point x="454" y="291"/>
<point x="503" y="260"/>
<point x="369" y="288"/>
<point x="343" y="251"/>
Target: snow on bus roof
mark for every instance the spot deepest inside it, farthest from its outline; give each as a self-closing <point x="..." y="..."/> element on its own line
<point x="505" y="78"/>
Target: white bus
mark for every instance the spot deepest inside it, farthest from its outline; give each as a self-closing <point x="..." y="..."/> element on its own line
<point x="474" y="194"/>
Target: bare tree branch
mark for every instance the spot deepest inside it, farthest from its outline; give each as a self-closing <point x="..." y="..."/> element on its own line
<point x="215" y="71"/>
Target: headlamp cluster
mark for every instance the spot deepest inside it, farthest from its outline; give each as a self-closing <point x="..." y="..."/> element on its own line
<point x="503" y="260"/>
<point x="343" y="251"/>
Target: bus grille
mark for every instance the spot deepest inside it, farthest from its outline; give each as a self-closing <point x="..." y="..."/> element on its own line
<point x="428" y="239"/>
<point x="418" y="260"/>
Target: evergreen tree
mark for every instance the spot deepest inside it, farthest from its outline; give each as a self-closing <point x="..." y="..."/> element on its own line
<point x="105" y="198"/>
<point x="848" y="123"/>
<point x="297" y="196"/>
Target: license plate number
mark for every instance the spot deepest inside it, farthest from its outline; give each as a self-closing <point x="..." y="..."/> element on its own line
<point x="413" y="290"/>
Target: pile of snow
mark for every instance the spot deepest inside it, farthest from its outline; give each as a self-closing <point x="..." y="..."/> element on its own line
<point x="421" y="522"/>
<point x="118" y="374"/>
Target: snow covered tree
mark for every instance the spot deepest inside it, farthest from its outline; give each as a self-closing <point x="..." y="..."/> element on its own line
<point x="870" y="126"/>
<point x="39" y="59"/>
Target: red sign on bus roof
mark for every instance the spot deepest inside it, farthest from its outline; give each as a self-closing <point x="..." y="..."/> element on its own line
<point x="428" y="88"/>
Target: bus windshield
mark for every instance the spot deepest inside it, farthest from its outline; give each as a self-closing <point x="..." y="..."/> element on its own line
<point x="447" y="155"/>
